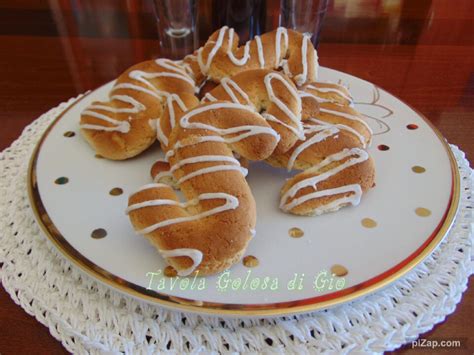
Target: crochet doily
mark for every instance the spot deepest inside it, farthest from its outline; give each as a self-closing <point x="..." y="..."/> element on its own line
<point x="88" y="317"/>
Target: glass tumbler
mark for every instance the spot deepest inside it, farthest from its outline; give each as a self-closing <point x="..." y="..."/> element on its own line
<point x="304" y="16"/>
<point x="176" y="20"/>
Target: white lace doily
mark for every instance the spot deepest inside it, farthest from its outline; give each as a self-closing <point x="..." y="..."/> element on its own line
<point x="88" y="317"/>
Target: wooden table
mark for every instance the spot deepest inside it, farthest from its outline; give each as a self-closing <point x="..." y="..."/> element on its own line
<point x="421" y="51"/>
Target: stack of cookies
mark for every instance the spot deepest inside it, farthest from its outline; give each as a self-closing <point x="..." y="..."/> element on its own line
<point x="214" y="111"/>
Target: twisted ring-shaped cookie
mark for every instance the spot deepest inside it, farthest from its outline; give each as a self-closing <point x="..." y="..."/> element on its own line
<point x="210" y="231"/>
<point x="285" y="49"/>
<point x="267" y="92"/>
<point x="256" y="114"/>
<point x="271" y="94"/>
<point x="125" y="125"/>
<point x="337" y="169"/>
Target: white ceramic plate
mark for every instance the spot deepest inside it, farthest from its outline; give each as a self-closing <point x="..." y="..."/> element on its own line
<point x="413" y="205"/>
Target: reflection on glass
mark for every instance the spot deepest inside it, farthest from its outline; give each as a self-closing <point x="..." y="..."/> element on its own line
<point x="176" y="20"/>
<point x="247" y="17"/>
<point x="303" y="16"/>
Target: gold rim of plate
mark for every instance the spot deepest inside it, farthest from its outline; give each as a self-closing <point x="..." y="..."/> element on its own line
<point x="249" y="310"/>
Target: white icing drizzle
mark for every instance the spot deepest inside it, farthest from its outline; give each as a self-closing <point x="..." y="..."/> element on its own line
<point x="360" y="156"/>
<point x="245" y="130"/>
<point x="213" y="169"/>
<point x="120" y="126"/>
<point x="346" y="115"/>
<point x="330" y="90"/>
<point x="300" y="79"/>
<point x="152" y="203"/>
<point x="144" y="76"/>
<point x="156" y="93"/>
<point x="241" y="131"/>
<point x="322" y="132"/>
<point x="318" y="99"/>
<point x="136" y="106"/>
<point x="158" y="177"/>
<point x="152" y="186"/>
<point x="261" y="57"/>
<point x="229" y="85"/>
<point x="173" y="66"/>
<point x="345" y="128"/>
<point x="208" y="97"/>
<point x="169" y="100"/>
<point x="217" y="45"/>
<point x="353" y="199"/>
<point x="189" y="70"/>
<point x="286" y="68"/>
<point x="203" y="139"/>
<point x="231" y="203"/>
<point x="272" y="118"/>
<point x="203" y="159"/>
<point x="196" y="140"/>
<point x="281" y="32"/>
<point x="279" y="56"/>
<point x="230" y="54"/>
<point x="207" y="170"/>
<point x="280" y="53"/>
<point x="194" y="254"/>
<point x="180" y="67"/>
<point x="298" y="130"/>
<point x="169" y="64"/>
<point x="160" y="134"/>
<point x="253" y="233"/>
<point x="316" y="62"/>
<point x="186" y="66"/>
<point x="198" y="89"/>
<point x="205" y="66"/>
<point x="176" y="72"/>
<point x="172" y="116"/>
<point x="124" y="126"/>
<point x="153" y="122"/>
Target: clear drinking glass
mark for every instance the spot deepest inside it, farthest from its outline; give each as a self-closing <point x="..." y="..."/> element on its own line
<point x="176" y="20"/>
<point x="246" y="17"/>
<point x="304" y="16"/>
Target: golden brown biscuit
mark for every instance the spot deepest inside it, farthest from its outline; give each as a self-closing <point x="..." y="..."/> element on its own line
<point x="328" y="92"/>
<point x="271" y="94"/>
<point x="210" y="231"/>
<point x="338" y="181"/>
<point x="191" y="65"/>
<point x="337" y="169"/>
<point x="283" y="49"/>
<point x="175" y="106"/>
<point x="125" y="125"/>
<point x="333" y="134"/>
